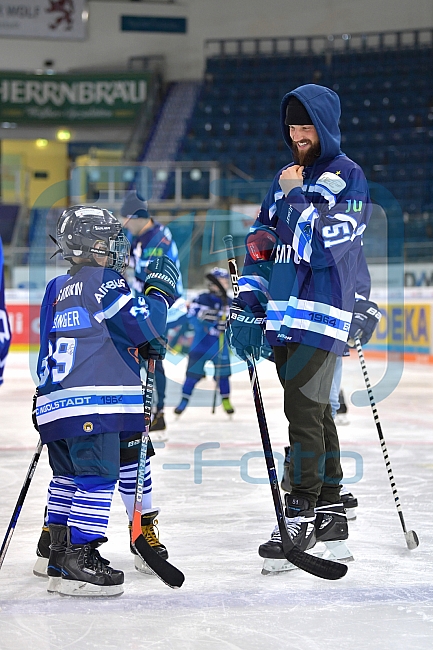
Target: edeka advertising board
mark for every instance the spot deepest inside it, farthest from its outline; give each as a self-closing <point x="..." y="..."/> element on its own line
<point x="404" y="328"/>
<point x="72" y="98"/>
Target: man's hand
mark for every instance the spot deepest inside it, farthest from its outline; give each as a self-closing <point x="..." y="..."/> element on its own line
<point x="366" y="315"/>
<point x="245" y="329"/>
<point x="291" y="178"/>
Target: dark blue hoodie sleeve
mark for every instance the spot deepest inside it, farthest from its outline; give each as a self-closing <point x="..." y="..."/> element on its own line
<point x="322" y="232"/>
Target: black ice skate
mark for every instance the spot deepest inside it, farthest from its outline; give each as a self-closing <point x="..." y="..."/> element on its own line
<point x="349" y="502"/>
<point x="285" y="483"/>
<point x="85" y="573"/>
<point x="57" y="534"/>
<point x="300" y="522"/>
<point x="181" y="406"/>
<point x="151" y="535"/>
<point x="332" y="530"/>
<point x="158" y="428"/>
<point x="43" y="553"/>
<point x="158" y="422"/>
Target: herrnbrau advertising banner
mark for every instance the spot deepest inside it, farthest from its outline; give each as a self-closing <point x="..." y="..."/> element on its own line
<point x="63" y="98"/>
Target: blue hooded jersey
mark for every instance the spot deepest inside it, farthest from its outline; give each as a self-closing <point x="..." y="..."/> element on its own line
<point x="88" y="364"/>
<point x="309" y="292"/>
<point x="154" y="242"/>
<point x="5" y="331"/>
<point x="205" y="312"/>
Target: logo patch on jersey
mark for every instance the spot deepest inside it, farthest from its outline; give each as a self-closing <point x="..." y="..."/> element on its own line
<point x="331" y="182"/>
<point x="118" y="283"/>
<point x="88" y="427"/>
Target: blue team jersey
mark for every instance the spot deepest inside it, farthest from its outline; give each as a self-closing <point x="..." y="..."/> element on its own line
<point x="5" y="332"/>
<point x="88" y="365"/>
<point x="308" y="290"/>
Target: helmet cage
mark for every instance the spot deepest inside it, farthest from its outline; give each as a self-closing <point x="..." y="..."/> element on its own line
<point x="81" y="230"/>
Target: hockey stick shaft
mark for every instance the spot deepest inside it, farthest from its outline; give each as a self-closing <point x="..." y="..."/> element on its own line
<point x="316" y="566"/>
<point x="20" y="502"/>
<point x="411" y="537"/>
<point x="168" y="573"/>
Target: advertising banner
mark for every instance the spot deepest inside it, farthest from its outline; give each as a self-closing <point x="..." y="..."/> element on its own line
<point x="63" y="98"/>
<point x="53" y="19"/>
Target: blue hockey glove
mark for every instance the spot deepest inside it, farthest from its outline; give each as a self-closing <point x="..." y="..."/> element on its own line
<point x="366" y="315"/>
<point x="154" y="349"/>
<point x="245" y="329"/>
<point x="162" y="275"/>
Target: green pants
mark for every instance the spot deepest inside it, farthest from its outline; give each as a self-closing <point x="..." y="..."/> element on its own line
<point x="306" y="376"/>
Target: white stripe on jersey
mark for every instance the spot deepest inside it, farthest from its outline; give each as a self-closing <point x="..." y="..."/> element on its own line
<point x="114" y="308"/>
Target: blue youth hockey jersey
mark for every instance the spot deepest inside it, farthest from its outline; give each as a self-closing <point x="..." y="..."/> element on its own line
<point x="88" y="368"/>
<point x="155" y="242"/>
<point x="309" y="293"/>
<point x="5" y="332"/>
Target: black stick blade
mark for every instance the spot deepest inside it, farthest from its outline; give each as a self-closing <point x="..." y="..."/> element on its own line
<point x="165" y="571"/>
<point x="318" y="567"/>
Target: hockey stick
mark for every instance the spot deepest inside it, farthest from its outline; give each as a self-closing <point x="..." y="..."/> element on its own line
<point x="316" y="566"/>
<point x="410" y="535"/>
<point x="163" y="569"/>
<point x="20" y="502"/>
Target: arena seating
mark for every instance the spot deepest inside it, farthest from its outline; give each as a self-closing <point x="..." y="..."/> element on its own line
<point x="387" y="118"/>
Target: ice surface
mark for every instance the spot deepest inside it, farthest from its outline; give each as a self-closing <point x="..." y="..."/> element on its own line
<point x="212" y="529"/>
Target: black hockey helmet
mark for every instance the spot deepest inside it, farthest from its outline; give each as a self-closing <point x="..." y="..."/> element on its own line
<point x="84" y="231"/>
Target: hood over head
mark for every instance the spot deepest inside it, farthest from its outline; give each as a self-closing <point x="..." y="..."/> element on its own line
<point x="323" y="107"/>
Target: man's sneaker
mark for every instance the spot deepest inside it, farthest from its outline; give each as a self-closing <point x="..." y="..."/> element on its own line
<point x="85" y="573"/>
<point x="181" y="406"/>
<point x="300" y="520"/>
<point x="349" y="502"/>
<point x="158" y="422"/>
<point x="228" y="408"/>
<point x="332" y="529"/>
<point x="151" y="534"/>
<point x="43" y="553"/>
<point x="57" y="556"/>
<point x="285" y="483"/>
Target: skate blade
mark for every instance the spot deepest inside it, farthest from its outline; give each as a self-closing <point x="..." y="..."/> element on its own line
<point x="142" y="566"/>
<point x="336" y="551"/>
<point x="86" y="589"/>
<point x="53" y="584"/>
<point x="40" y="567"/>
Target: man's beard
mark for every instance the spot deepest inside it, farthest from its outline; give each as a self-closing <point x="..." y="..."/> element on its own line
<point x="308" y="157"/>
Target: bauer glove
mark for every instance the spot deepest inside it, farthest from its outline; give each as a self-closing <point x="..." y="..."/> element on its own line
<point x="366" y="315"/>
<point x="245" y="329"/>
<point x="162" y="275"/>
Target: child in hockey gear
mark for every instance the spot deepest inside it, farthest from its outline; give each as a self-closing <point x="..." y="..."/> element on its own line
<point x="151" y="239"/>
<point x="5" y="331"/>
<point x="89" y="397"/>
<point x="208" y="314"/>
<point x="151" y="535"/>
